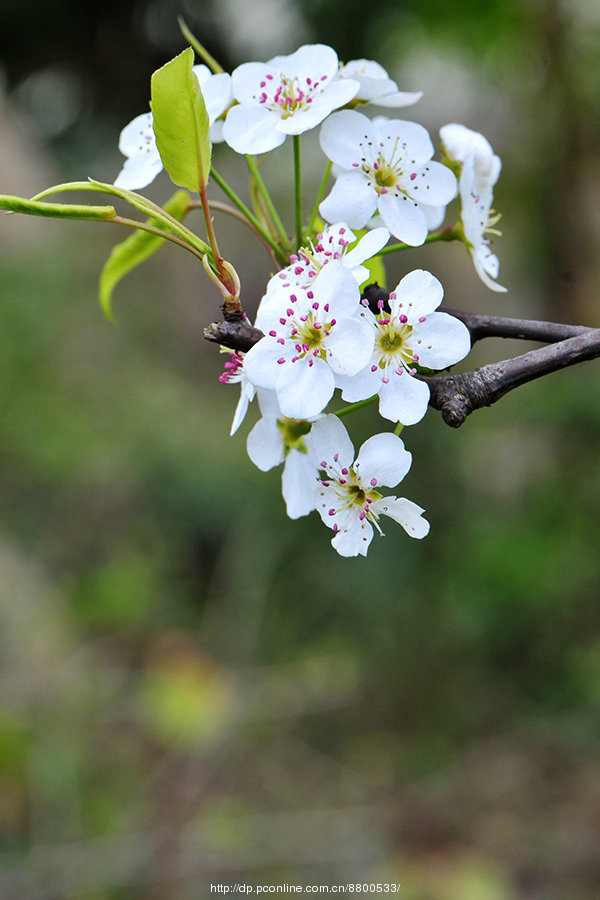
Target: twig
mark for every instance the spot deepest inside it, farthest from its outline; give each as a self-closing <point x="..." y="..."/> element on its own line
<point x="481" y="326"/>
<point x="457" y="396"/>
<point x="235" y="331"/>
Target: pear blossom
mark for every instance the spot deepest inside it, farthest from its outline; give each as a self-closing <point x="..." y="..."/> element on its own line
<point x="276" y="439"/>
<point x="479" y="170"/>
<point x="234" y="374"/>
<point x="138" y="143"/>
<point x="329" y="245"/>
<point x="383" y="166"/>
<point x="376" y="86"/>
<point x="312" y="335"/>
<point x="286" y="95"/>
<point x="407" y="334"/>
<point x="349" y="500"/>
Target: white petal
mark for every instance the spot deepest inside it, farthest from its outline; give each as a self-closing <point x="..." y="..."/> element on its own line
<point x="350" y="346"/>
<point x="246" y="79"/>
<point x="398" y="132"/>
<point x="403" y="399"/>
<point x="384" y="458"/>
<point x="460" y="143"/>
<point x="364" y="384"/>
<point x="367" y="247"/>
<point x="252" y="129"/>
<point x="265" y="445"/>
<point x="350" y="199"/>
<point x="267" y="401"/>
<point x="398" y="99"/>
<point x="299" y="484"/>
<point x="364" y="68"/>
<point x="308" y="61"/>
<point x="329" y="437"/>
<point x="441" y="341"/>
<point x="218" y="94"/>
<point x="353" y="540"/>
<point x="405" y="218"/>
<point x="337" y="286"/>
<point x="493" y="285"/>
<point x="341" y="135"/>
<point x="260" y="363"/>
<point x="304" y="390"/>
<point x="435" y="185"/>
<point x="435" y="215"/>
<point x="418" y="294"/>
<point x="246" y="395"/>
<point x="139" y="171"/>
<point x="137" y="135"/>
<point x="405" y="512"/>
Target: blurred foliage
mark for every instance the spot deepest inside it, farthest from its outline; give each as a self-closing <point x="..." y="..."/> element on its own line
<point x="195" y="689"/>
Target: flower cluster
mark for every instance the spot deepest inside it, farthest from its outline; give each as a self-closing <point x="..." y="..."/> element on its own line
<point x="319" y="331"/>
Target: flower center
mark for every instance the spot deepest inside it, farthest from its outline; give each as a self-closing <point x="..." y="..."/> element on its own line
<point x="309" y="261"/>
<point x="392" y="343"/>
<point x="347" y="494"/>
<point x="287" y="96"/>
<point x="385" y="175"/>
<point x="293" y="432"/>
<point x="383" y="166"/>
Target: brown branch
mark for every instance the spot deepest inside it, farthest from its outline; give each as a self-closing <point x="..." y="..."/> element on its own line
<point x="481" y="326"/>
<point x="457" y="396"/>
<point x="235" y="331"/>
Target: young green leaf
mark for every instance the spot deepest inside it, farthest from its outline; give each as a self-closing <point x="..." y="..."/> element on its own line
<point x="181" y="123"/>
<point x="135" y="250"/>
<point x="56" y="210"/>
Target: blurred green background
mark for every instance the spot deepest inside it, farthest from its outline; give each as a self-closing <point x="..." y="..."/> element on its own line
<point x="193" y="688"/>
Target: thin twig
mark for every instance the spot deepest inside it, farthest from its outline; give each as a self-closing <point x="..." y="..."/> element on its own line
<point x="457" y="396"/>
<point x="482" y="326"/>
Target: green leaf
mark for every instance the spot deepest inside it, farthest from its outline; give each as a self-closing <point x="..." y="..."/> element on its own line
<point x="56" y="210"/>
<point x="135" y="250"/>
<point x="181" y="122"/>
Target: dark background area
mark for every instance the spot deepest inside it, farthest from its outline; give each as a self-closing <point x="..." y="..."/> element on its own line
<point x="195" y="689"/>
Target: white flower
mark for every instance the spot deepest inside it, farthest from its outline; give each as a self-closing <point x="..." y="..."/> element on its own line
<point x="479" y="171"/>
<point x="138" y="143"/>
<point x="234" y="373"/>
<point x="286" y="95"/>
<point x="376" y="85"/>
<point x="329" y="245"/>
<point x="276" y="439"/>
<point x="311" y="335"/>
<point x="349" y="501"/>
<point x="410" y="333"/>
<point x="383" y="166"/>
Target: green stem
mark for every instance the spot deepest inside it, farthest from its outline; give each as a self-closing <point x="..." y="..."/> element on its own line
<point x="222" y="273"/>
<point x="298" y="190"/>
<point x="198" y="47"/>
<point x="138" y="202"/>
<point x="352" y="407"/>
<point x="249" y="215"/>
<point x="319" y="197"/>
<point x="398" y="428"/>
<point x="143" y="226"/>
<point x="254" y="171"/>
<point x="448" y="234"/>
